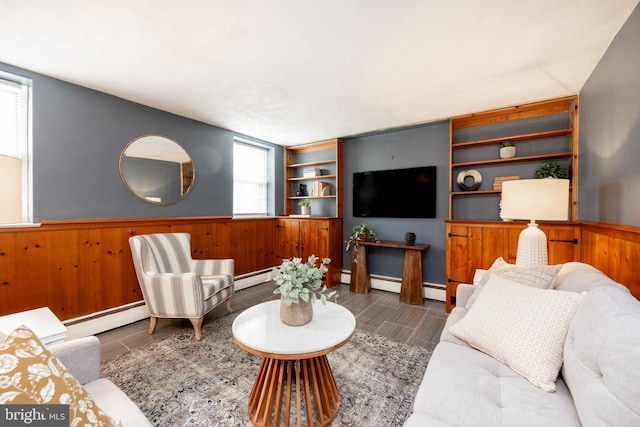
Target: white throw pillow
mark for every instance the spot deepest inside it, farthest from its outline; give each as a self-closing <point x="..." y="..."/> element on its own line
<point x="537" y="276"/>
<point x="520" y="326"/>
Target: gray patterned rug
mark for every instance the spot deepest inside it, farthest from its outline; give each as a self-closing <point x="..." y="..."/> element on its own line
<point x="181" y="382"/>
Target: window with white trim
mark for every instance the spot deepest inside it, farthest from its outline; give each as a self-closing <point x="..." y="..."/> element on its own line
<point x="15" y="159"/>
<point x="249" y="179"/>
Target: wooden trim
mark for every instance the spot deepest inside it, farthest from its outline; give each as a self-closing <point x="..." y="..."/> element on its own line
<point x="559" y="105"/>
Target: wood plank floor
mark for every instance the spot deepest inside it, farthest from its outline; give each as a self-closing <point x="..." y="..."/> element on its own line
<point x="379" y="311"/>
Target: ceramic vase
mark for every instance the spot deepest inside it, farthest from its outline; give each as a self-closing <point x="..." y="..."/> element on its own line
<point x="296" y="314"/>
<point x="305" y="210"/>
<point x="410" y="238"/>
<point x="507" y="152"/>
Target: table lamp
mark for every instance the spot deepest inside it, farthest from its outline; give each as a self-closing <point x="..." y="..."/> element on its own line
<point x="544" y="199"/>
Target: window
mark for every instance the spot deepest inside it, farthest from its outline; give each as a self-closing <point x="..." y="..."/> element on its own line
<point x="249" y="179"/>
<point x="15" y="182"/>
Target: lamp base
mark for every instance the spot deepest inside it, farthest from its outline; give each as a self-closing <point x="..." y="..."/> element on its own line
<point x="532" y="246"/>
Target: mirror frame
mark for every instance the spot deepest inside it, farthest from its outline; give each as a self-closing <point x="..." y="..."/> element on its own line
<point x="184" y="194"/>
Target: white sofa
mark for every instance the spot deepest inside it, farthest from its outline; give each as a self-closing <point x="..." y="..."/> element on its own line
<point x="82" y="358"/>
<point x="599" y="383"/>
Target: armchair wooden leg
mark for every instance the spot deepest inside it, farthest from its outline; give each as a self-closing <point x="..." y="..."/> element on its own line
<point x="153" y="321"/>
<point x="197" y="325"/>
<point x="229" y="308"/>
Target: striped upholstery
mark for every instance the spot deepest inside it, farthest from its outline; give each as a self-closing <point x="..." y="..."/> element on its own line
<point x="175" y="285"/>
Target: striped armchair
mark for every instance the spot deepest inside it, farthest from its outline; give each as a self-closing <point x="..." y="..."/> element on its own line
<point x="176" y="286"/>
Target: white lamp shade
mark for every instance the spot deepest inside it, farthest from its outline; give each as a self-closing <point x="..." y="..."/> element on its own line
<point x="544" y="199"/>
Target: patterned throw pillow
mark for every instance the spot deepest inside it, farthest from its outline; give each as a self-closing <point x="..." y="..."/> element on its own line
<point x="521" y="326"/>
<point x="30" y="374"/>
<point x="537" y="276"/>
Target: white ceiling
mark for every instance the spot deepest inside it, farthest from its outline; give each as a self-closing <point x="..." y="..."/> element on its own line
<point x="291" y="71"/>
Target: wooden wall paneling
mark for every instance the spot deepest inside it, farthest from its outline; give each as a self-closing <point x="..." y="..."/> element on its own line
<point x="265" y="245"/>
<point x="627" y="267"/>
<point x="70" y="262"/>
<point x="113" y="278"/>
<point x="246" y="249"/>
<point x="80" y="267"/>
<point x="615" y="250"/>
<point x="29" y="278"/>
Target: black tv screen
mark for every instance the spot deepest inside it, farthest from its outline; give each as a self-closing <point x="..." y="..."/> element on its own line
<point x="395" y="193"/>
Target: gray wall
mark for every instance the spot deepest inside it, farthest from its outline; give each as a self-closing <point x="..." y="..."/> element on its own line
<point x="419" y="146"/>
<point x="609" y="178"/>
<point x="78" y="135"/>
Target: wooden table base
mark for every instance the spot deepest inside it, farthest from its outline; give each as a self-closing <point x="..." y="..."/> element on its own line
<point x="306" y="384"/>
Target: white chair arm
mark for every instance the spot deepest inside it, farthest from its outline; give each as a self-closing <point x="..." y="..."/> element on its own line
<point x="174" y="294"/>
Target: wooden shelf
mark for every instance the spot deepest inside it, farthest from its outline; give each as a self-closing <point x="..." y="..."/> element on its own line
<point x="514" y="138"/>
<point x="297" y="158"/>
<point x="565" y="154"/>
<point x="331" y="196"/>
<point x="310" y="178"/>
<point x="318" y="163"/>
<point x="475" y="192"/>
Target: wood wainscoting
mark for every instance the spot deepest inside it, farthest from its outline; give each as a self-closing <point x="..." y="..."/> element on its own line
<point x="611" y="248"/>
<point x="614" y="250"/>
<point x="80" y="267"/>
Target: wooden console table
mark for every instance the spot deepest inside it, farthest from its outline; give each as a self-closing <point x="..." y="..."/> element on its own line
<point x="411" y="288"/>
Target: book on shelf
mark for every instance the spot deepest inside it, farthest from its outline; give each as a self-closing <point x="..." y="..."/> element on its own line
<point x="320" y="189"/>
<point x="498" y="180"/>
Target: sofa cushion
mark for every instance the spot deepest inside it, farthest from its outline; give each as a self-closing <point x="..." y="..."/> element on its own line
<point x="537" y="276"/>
<point x="464" y="387"/>
<point x="602" y="358"/>
<point x="30" y="374"/>
<point x="581" y="277"/>
<point x="521" y="326"/>
<point x="114" y="401"/>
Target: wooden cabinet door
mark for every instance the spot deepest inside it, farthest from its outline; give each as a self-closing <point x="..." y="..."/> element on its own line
<point x="314" y="239"/>
<point x="563" y="244"/>
<point x="457" y="248"/>
<point x="288" y="239"/>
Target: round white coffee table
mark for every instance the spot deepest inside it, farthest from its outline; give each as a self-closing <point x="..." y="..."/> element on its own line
<point x="294" y="368"/>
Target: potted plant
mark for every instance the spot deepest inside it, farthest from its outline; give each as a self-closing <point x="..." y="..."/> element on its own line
<point x="305" y="206"/>
<point x="360" y="233"/>
<point x="300" y="285"/>
<point x="551" y="170"/>
<point x="508" y="150"/>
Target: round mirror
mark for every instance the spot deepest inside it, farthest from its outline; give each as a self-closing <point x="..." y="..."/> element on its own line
<point x="156" y="169"/>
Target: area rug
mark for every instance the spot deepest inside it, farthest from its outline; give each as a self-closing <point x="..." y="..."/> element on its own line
<point x="181" y="382"/>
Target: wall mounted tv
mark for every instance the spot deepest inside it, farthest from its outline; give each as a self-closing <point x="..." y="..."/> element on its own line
<point x="395" y="193"/>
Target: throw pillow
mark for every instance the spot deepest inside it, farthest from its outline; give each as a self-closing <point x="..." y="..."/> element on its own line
<point x="30" y="374"/>
<point x="538" y="276"/>
<point x="521" y="326"/>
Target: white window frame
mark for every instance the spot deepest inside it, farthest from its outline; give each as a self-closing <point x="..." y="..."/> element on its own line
<point x="265" y="198"/>
<point x="25" y="152"/>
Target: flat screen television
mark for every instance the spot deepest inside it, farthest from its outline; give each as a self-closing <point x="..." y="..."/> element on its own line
<point x="395" y="193"/>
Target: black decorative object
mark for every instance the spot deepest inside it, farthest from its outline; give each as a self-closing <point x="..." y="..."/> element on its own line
<point x="410" y="238"/>
<point x="302" y="190"/>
